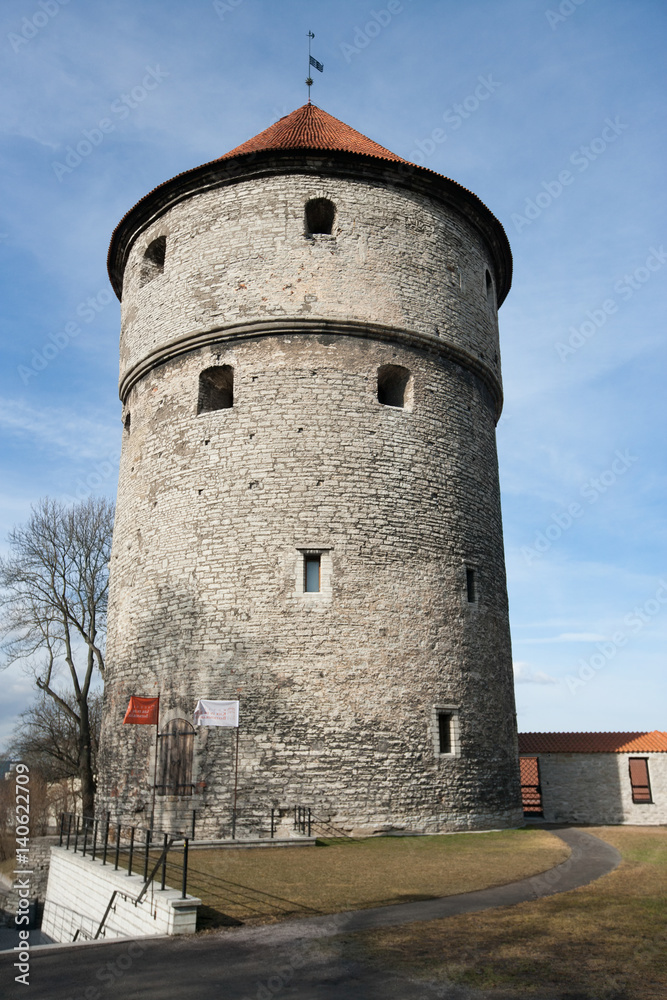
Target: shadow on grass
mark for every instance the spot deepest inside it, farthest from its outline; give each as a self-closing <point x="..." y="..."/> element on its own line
<point x="208" y="919"/>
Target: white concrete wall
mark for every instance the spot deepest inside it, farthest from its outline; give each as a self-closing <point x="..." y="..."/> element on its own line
<point x="79" y="891"/>
<point x="595" y="788"/>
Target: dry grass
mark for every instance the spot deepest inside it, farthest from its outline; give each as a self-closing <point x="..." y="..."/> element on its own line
<point x="256" y="886"/>
<point x="606" y="941"/>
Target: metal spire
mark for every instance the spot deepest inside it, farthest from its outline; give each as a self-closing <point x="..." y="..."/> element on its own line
<point x="309" y="79"/>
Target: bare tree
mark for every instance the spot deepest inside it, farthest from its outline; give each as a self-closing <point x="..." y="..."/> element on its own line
<point x="47" y="736"/>
<point x="54" y="602"/>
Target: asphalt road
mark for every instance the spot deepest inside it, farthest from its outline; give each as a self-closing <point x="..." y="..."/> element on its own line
<point x="317" y="958"/>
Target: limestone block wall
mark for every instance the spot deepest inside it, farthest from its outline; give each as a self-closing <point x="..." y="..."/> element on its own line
<point x="78" y="893"/>
<point x="595" y="788"/>
<point x="339" y="690"/>
<point x="239" y="254"/>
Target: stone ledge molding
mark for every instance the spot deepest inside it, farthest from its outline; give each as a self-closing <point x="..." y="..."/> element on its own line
<point x="299" y="326"/>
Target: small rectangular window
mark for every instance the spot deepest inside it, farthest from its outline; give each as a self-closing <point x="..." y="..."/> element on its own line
<point x="311" y="573"/>
<point x="445" y="731"/>
<point x="639" y="780"/>
<point x="471" y="585"/>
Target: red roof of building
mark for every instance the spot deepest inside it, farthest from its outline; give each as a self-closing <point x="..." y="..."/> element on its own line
<point x="308" y="129"/>
<point x="311" y="128"/>
<point x="534" y="743"/>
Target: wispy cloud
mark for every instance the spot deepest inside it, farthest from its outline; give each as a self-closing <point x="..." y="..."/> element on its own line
<point x="525" y="674"/>
<point x="47" y="428"/>
<point x="567" y="637"/>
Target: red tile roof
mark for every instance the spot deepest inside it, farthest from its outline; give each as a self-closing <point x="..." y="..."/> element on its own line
<point x="311" y="128"/>
<point x="306" y="129"/>
<point x="534" y="743"/>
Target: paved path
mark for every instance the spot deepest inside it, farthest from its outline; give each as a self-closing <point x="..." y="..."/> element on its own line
<point x="310" y="959"/>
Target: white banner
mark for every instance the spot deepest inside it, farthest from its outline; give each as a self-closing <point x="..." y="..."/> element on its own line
<point x="217" y="713"/>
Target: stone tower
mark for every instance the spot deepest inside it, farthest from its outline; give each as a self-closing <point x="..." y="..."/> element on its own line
<point x="308" y="508"/>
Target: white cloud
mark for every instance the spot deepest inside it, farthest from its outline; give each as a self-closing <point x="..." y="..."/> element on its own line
<point x="568" y="637"/>
<point x="57" y="427"/>
<point x="525" y="674"/>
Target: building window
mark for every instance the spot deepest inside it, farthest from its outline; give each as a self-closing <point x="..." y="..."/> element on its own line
<point x="319" y="216"/>
<point x="127" y="422"/>
<point x="471" y="585"/>
<point x="216" y="389"/>
<point x="312" y="572"/>
<point x="175" y="758"/>
<point x="446" y="731"/>
<point x="489" y="285"/>
<point x="394" y="386"/>
<point x="639" y="780"/>
<point x="153" y="262"/>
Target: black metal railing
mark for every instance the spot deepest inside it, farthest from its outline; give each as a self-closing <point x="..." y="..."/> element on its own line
<point x="303" y="820"/>
<point x="323" y="828"/>
<point x="135" y="845"/>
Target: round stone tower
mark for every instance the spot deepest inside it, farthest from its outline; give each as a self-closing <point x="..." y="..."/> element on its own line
<point x="308" y="509"/>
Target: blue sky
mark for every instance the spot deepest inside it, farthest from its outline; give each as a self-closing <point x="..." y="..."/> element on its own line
<point x="567" y="148"/>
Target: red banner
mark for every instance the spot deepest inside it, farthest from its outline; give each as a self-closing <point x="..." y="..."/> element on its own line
<point x="142" y="711"/>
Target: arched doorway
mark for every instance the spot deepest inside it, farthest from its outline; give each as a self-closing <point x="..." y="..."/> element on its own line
<point x="175" y="761"/>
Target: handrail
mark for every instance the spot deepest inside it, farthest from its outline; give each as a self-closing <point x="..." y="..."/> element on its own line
<point x="106" y="914"/>
<point x="149" y="879"/>
<point x="337" y="832"/>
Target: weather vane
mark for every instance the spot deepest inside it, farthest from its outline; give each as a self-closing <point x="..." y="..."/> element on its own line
<point x="312" y="62"/>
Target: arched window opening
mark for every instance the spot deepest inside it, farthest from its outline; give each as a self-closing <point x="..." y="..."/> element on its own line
<point x="153" y="262"/>
<point x="216" y="389"/>
<point x="126" y="422"/>
<point x="177" y="742"/>
<point x="489" y="286"/>
<point x="394" y="386"/>
<point x="320" y="215"/>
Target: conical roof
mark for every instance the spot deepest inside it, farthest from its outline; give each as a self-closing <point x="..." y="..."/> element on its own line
<point x="311" y="128"/>
<point x="304" y="131"/>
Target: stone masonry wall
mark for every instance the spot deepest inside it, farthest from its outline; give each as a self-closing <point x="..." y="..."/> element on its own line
<point x="338" y="690"/>
<point x="595" y="788"/>
<point x="239" y="253"/>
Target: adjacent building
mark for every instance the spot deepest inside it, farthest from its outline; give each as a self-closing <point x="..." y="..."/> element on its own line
<point x="595" y="778"/>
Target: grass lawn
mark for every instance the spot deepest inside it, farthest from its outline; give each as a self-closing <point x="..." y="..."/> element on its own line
<point x="259" y="886"/>
<point x="605" y="941"/>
